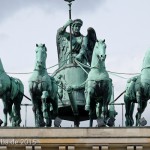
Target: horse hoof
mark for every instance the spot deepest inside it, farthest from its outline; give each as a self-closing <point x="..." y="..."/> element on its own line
<point x="87" y="107"/>
<point x="5" y="124"/>
<point x="42" y="124"/>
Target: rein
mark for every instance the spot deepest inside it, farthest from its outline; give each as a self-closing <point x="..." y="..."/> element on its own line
<point x="146" y="67"/>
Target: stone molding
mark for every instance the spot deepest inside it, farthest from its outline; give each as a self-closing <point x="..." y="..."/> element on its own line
<point x="75" y="138"/>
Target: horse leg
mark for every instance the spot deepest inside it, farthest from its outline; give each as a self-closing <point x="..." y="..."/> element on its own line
<point x="99" y="111"/>
<point x="33" y="108"/>
<point x="32" y="91"/>
<point x="48" y="120"/>
<point x="140" y="111"/>
<point x="76" y="121"/>
<point x="5" y="110"/>
<point x="38" y="114"/>
<point x="105" y="111"/>
<point x="131" y="114"/>
<point x="17" y="116"/>
<point x="17" y="104"/>
<point x="55" y="107"/>
<point x="46" y="114"/>
<point x="40" y="117"/>
<point x="11" y="116"/>
<point x="92" y="113"/>
<point x="87" y="105"/>
<point x="127" y="108"/>
<point x="88" y="94"/>
<point x="90" y="118"/>
<point x="34" y="112"/>
<point x="105" y="115"/>
<point x="46" y="108"/>
<point x="139" y="108"/>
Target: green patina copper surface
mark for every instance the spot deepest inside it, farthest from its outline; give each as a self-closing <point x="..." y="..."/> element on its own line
<point x="11" y="93"/>
<point x="138" y="91"/>
<point x="75" y="73"/>
<point x="43" y="89"/>
<point x="98" y="88"/>
<point x="82" y="46"/>
<point x="72" y="74"/>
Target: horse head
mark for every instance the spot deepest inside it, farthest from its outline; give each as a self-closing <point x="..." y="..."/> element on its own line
<point x="41" y="55"/>
<point x="100" y="50"/>
<point x="1" y="72"/>
<point x="146" y="60"/>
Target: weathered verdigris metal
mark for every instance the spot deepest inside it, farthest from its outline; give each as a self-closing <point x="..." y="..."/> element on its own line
<point x="138" y="91"/>
<point x="72" y="74"/>
<point x="71" y="102"/>
<point x="82" y="46"/>
<point x="130" y="99"/>
<point x="43" y="89"/>
<point x="98" y="88"/>
<point x="11" y="93"/>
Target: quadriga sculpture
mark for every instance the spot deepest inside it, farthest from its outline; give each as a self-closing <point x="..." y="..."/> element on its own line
<point x="43" y="89"/>
<point x="11" y="93"/>
<point x="138" y="91"/>
<point x="98" y="88"/>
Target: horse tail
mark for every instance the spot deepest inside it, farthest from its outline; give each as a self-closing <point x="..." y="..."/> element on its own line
<point x="25" y="96"/>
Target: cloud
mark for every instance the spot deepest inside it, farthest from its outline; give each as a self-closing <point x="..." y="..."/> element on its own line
<point x="9" y="8"/>
<point x="3" y="36"/>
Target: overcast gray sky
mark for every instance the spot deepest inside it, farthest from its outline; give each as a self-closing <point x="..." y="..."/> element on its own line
<point x="123" y="23"/>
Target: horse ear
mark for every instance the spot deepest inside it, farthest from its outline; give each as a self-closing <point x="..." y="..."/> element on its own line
<point x="44" y="47"/>
<point x="37" y="45"/>
<point x="103" y="41"/>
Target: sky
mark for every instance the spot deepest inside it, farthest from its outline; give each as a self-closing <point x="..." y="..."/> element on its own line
<point x="124" y="24"/>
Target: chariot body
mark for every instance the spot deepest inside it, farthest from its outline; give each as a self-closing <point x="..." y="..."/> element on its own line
<point x="71" y="102"/>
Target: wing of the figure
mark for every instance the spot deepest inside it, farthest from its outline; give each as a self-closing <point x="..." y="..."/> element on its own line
<point x="91" y="37"/>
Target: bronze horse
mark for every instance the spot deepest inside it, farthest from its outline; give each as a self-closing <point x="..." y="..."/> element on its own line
<point x="43" y="90"/>
<point x="11" y="93"/>
<point x="138" y="91"/>
<point x="98" y="88"/>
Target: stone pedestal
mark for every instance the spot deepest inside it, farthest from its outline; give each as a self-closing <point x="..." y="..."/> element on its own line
<point x="75" y="138"/>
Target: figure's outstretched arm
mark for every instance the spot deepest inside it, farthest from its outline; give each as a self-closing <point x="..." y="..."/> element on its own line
<point x="63" y="29"/>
